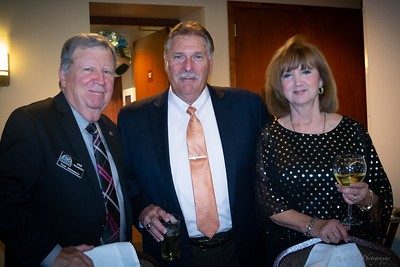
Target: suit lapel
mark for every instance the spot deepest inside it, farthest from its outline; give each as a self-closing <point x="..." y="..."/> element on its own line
<point x="110" y="136"/>
<point x="75" y="138"/>
<point x="159" y="129"/>
<point x="224" y="113"/>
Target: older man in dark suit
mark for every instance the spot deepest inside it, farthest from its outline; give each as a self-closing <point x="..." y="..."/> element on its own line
<point x="163" y="161"/>
<point x="57" y="199"/>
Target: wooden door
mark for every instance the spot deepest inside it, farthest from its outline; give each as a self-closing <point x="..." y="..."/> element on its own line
<point x="148" y="71"/>
<point x="148" y="65"/>
<point x="115" y="103"/>
<point x="256" y="30"/>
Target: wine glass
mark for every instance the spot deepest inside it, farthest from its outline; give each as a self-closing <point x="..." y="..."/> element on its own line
<point x="349" y="169"/>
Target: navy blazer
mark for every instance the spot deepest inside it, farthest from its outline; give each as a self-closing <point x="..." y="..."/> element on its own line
<point x="42" y="204"/>
<point x="143" y="125"/>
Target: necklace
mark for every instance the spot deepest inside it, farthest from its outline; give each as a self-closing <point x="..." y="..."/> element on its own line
<point x="291" y="122"/>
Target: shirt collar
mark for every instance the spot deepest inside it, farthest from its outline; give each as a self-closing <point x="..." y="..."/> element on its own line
<point x="200" y="102"/>
<point x="82" y="122"/>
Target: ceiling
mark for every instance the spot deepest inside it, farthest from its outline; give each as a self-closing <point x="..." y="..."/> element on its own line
<point x="118" y="10"/>
<point x="140" y="10"/>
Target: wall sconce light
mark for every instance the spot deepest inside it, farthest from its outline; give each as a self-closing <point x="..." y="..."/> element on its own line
<point x="4" y="65"/>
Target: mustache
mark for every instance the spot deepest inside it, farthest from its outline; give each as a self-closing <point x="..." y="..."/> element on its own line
<point x="187" y="75"/>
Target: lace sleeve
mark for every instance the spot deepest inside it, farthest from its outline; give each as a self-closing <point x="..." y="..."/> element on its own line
<point x="377" y="181"/>
<point x="268" y="198"/>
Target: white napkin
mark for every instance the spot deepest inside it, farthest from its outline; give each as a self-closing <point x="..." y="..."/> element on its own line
<point x="118" y="254"/>
<point x="335" y="256"/>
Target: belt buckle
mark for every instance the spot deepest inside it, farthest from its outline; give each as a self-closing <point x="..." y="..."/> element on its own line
<point x="220" y="244"/>
<point x="217" y="243"/>
<point x="203" y="245"/>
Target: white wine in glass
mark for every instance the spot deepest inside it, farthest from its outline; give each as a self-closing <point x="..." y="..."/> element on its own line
<point x="348" y="179"/>
<point x="349" y="169"/>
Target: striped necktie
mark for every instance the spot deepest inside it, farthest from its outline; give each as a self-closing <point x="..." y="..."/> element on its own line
<point x="111" y="229"/>
<point x="203" y="190"/>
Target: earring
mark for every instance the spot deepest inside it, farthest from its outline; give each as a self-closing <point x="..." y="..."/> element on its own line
<point x="321" y="90"/>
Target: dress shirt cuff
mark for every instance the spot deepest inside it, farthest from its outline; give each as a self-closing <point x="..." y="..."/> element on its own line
<point x="51" y="257"/>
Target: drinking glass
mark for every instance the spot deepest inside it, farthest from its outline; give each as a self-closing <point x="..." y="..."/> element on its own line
<point x="170" y="245"/>
<point x="349" y="169"/>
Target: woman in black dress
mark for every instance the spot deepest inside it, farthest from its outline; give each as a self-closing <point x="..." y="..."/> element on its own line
<point x="297" y="194"/>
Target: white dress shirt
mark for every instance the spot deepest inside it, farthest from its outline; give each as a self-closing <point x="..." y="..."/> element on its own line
<point x="177" y="124"/>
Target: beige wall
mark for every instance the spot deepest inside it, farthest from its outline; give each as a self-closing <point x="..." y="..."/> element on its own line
<point x="382" y="42"/>
<point x="37" y="29"/>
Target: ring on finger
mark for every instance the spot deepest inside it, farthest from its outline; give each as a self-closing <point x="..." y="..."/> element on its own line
<point x="149" y="225"/>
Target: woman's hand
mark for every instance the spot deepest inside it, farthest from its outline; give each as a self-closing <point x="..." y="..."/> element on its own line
<point x="330" y="231"/>
<point x="355" y="193"/>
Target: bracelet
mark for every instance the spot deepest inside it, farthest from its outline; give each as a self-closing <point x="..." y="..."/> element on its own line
<point x="370" y="204"/>
<point x="309" y="227"/>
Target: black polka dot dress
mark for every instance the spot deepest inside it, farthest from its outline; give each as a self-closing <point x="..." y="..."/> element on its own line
<point x="294" y="171"/>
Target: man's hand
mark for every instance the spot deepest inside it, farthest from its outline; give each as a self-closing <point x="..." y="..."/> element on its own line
<point x="151" y="218"/>
<point x="73" y="256"/>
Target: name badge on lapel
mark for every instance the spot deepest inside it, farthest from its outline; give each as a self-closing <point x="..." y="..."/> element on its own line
<point x="70" y="164"/>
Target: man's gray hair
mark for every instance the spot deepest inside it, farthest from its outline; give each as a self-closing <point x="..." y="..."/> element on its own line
<point x="83" y="40"/>
<point x="190" y="28"/>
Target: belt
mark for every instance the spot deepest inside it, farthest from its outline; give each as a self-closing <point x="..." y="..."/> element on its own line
<point x="217" y="241"/>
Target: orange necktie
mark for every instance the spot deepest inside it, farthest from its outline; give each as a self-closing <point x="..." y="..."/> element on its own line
<point x="203" y="190"/>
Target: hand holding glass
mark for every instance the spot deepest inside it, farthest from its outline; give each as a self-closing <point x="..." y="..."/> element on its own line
<point x="170" y="244"/>
<point x="350" y="169"/>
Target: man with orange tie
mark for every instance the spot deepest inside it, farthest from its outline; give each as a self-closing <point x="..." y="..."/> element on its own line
<point x="190" y="151"/>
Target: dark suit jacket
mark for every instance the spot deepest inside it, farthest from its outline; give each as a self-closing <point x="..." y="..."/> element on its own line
<point x="42" y="204"/>
<point x="143" y="125"/>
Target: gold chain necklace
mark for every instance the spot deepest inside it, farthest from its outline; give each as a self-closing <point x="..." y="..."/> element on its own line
<point x="291" y="122"/>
